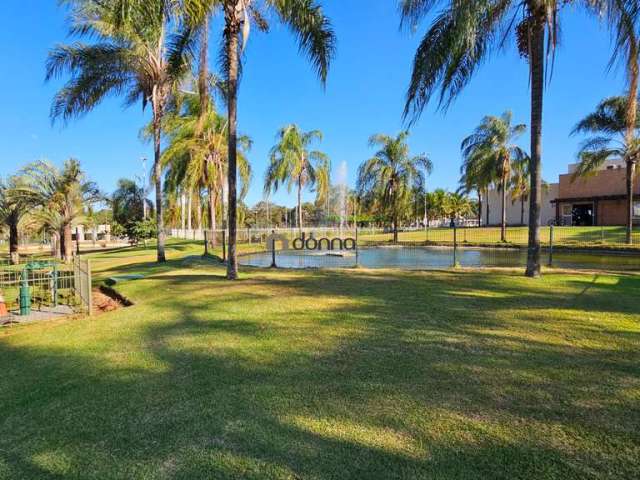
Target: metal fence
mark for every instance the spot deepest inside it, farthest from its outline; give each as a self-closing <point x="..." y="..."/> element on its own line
<point x="564" y="247"/>
<point x="45" y="284"/>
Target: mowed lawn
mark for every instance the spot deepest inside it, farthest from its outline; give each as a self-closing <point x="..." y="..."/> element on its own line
<point x="351" y="374"/>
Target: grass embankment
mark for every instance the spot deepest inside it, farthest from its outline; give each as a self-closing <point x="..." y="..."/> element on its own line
<point x="329" y="374"/>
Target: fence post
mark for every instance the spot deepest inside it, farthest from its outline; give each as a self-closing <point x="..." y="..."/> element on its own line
<point x="224" y="244"/>
<point x="455" y="245"/>
<point x="89" y="292"/>
<point x="55" y="285"/>
<point x="357" y="248"/>
<point x="273" y="249"/>
<point x="551" y="246"/>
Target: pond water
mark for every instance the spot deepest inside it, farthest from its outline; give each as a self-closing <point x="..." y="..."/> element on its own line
<point x="438" y="257"/>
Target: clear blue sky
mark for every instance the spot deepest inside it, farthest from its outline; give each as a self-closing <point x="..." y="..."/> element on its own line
<point x="364" y="95"/>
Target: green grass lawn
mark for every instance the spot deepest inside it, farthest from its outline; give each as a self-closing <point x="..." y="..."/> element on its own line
<point x="351" y="374"/>
<point x="574" y="236"/>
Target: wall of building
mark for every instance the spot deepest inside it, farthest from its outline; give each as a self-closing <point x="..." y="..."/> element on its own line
<point x="602" y="183"/>
<point x="548" y="213"/>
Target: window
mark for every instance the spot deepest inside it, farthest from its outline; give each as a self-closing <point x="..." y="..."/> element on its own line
<point x="636" y="209"/>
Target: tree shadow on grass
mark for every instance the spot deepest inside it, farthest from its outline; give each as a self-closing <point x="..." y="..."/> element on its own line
<point x="397" y="378"/>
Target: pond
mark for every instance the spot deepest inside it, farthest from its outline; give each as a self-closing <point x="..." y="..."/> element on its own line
<point x="410" y="257"/>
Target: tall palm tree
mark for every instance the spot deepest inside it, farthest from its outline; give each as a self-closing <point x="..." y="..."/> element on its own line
<point x="626" y="51"/>
<point x="390" y="176"/>
<point x="294" y="163"/>
<point x="61" y="196"/>
<point x="492" y="147"/>
<point x="435" y="204"/>
<point x="135" y="55"/>
<point x="477" y="174"/>
<point x="464" y="33"/>
<point x="316" y="40"/>
<point x="609" y="140"/>
<point x="196" y="154"/>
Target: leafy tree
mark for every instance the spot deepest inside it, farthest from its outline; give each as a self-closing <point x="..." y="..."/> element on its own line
<point x="128" y="201"/>
<point x="491" y="150"/>
<point x="316" y="39"/>
<point x="609" y="140"/>
<point x="134" y="55"/>
<point x="464" y="33"/>
<point x="391" y="175"/>
<point x="436" y="204"/>
<point x="292" y="162"/>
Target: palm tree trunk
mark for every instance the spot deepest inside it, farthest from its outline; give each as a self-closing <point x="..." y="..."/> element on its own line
<point x="395" y="228"/>
<point x="487" y="209"/>
<point x="190" y="211"/>
<point x="55" y="251"/>
<point x="300" y="206"/>
<point x="631" y="118"/>
<point x="536" y="59"/>
<point x="631" y="173"/>
<point x="522" y="210"/>
<point x="67" y="235"/>
<point x="479" y="208"/>
<point x="232" y="30"/>
<point x="212" y="216"/>
<point x="14" y="255"/>
<point x="157" y="170"/>
<point x="503" y="213"/>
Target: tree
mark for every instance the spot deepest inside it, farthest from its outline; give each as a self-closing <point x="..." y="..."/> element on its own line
<point x="609" y="140"/>
<point x="316" y="39"/>
<point x="519" y="184"/>
<point x="461" y="37"/>
<point x="292" y="162"/>
<point x="490" y="149"/>
<point x="457" y="206"/>
<point x="13" y="207"/>
<point x="128" y="201"/>
<point x="436" y="204"/>
<point x="196" y="155"/>
<point x="390" y="176"/>
<point x="134" y="56"/>
<point x="61" y="196"/>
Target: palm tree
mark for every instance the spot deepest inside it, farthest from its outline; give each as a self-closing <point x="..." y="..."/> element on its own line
<point x="457" y="206"/>
<point x="292" y="162"/>
<point x="435" y="204"/>
<point x="491" y="147"/>
<point x="316" y="39"/>
<point x="520" y="184"/>
<point x="461" y="37"/>
<point x="390" y="176"/>
<point x="477" y="174"/>
<point x="196" y="155"/>
<point x="61" y="196"/>
<point x="13" y="207"/>
<point x="610" y="140"/>
<point x="134" y="56"/>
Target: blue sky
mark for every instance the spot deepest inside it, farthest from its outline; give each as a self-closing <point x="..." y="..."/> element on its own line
<point x="364" y="95"/>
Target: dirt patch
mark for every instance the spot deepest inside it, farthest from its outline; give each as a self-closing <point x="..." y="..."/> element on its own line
<point x="103" y="303"/>
<point x="106" y="299"/>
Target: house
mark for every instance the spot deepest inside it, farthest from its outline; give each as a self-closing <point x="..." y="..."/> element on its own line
<point x="518" y="211"/>
<point x="597" y="199"/>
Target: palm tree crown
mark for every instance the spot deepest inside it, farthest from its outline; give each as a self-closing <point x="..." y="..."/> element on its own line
<point x="489" y="151"/>
<point x="136" y="54"/>
<point x="390" y="176"/>
<point x="293" y="162"/>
